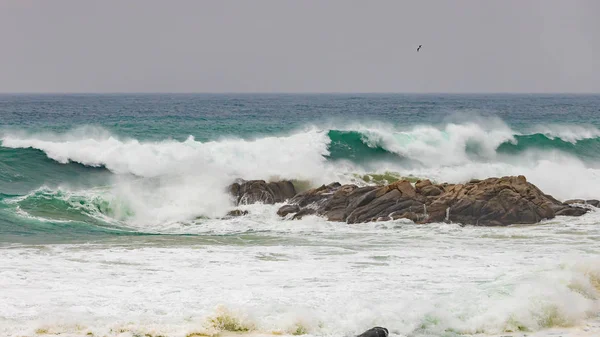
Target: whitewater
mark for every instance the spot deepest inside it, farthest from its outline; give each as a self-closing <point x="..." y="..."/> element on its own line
<point x="113" y="222"/>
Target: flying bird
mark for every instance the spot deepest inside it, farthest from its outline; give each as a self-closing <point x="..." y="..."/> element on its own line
<point x="419" y="47"/>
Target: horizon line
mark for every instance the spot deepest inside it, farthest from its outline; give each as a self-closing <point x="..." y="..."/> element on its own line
<point x="291" y="93"/>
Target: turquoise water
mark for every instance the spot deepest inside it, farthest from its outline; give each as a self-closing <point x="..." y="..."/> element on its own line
<point x="206" y="117"/>
<point x="85" y="141"/>
<point x="112" y="216"/>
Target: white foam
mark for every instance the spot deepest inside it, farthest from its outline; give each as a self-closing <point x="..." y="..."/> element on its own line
<point x="176" y="181"/>
<point x="171" y="181"/>
<point x="299" y="155"/>
<point x="415" y="280"/>
<point x="439" y="153"/>
<point x="434" y="147"/>
<point x="567" y="132"/>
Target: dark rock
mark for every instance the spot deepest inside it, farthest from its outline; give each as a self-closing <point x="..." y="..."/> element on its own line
<point x="304" y="212"/>
<point x="507" y="200"/>
<point x="234" y="189"/>
<point x="288" y="209"/>
<point x="375" y="332"/>
<point x="490" y="202"/>
<point x="431" y="191"/>
<point x="572" y="211"/>
<point x="362" y="198"/>
<point x="282" y="190"/>
<point x="315" y="195"/>
<point x="368" y="212"/>
<point x="593" y="202"/>
<point x="254" y="191"/>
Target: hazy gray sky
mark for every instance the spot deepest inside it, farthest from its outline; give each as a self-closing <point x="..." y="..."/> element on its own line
<point x="299" y="46"/>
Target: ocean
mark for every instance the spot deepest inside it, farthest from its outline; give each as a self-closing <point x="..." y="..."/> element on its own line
<point x="112" y="216"/>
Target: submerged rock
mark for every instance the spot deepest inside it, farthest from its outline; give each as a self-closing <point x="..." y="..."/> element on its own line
<point x="235" y="213"/>
<point x="490" y="202"/>
<point x="255" y="191"/>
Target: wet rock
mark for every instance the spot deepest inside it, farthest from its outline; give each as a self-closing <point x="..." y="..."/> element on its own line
<point x="288" y="209"/>
<point x="493" y="201"/>
<point x="489" y="202"/>
<point x="593" y="202"/>
<point x="304" y="212"/>
<point x="572" y="211"/>
<point x="315" y="195"/>
<point x="282" y="190"/>
<point x="431" y="191"/>
<point x="259" y="191"/>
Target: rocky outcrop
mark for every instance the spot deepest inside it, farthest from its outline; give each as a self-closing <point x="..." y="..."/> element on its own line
<point x="254" y="191"/>
<point x="490" y="202"/>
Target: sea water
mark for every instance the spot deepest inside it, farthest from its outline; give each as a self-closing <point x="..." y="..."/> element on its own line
<point x="112" y="216"/>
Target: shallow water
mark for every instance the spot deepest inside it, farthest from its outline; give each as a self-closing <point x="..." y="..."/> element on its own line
<point x="310" y="276"/>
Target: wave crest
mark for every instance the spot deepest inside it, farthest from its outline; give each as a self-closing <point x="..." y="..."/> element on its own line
<point x="170" y="180"/>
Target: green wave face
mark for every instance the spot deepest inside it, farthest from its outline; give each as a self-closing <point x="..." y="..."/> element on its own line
<point x="361" y="147"/>
<point x="48" y="215"/>
<point x="47" y="219"/>
<point x="22" y="170"/>
<point x="355" y="146"/>
<point x="588" y="148"/>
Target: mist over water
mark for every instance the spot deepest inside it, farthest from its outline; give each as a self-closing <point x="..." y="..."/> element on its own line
<point x="111" y="222"/>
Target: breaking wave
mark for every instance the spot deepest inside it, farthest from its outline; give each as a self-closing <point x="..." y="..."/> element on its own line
<point x="167" y="181"/>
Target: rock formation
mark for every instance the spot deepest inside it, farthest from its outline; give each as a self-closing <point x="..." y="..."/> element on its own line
<point x="490" y="202"/>
<point x="253" y="191"/>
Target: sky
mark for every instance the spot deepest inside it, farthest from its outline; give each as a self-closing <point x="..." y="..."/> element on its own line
<point x="300" y="46"/>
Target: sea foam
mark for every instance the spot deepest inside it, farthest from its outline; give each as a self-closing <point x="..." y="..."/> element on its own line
<point x="168" y="181"/>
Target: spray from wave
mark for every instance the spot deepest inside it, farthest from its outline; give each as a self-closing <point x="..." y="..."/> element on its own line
<point x="168" y="181"/>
